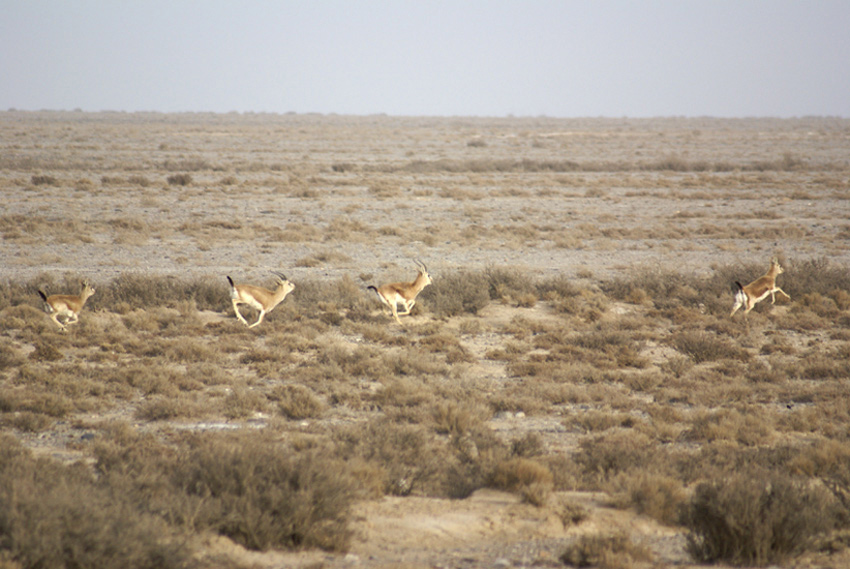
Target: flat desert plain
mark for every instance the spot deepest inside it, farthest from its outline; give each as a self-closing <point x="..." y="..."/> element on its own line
<point x="570" y="389"/>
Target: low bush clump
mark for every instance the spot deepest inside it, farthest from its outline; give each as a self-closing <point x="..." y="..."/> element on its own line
<point x="458" y="293"/>
<point x="57" y="516"/>
<point x="755" y="519"/>
<point x="245" y="487"/>
<point x="531" y="479"/>
<point x="707" y="347"/>
<point x="606" y="551"/>
<point x="179" y="179"/>
<point x="132" y="291"/>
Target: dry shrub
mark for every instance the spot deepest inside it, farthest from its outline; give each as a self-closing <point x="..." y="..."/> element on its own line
<point x="557" y="287"/>
<point x="509" y="284"/>
<point x="476" y="455"/>
<point x="665" y="288"/>
<point x="821" y="305"/>
<point x="755" y="518"/>
<point x="187" y="350"/>
<point x="45" y="352"/>
<point x="595" y="420"/>
<point x="244" y="486"/>
<point x="458" y="418"/>
<point x="384" y="189"/>
<point x="707" y="347"/>
<point x="604" y="456"/>
<point x="407" y="454"/>
<point x="27" y="421"/>
<point x="17" y="295"/>
<point x="259" y="496"/>
<point x="457" y="293"/>
<point x="730" y="425"/>
<point x="531" y="479"/>
<point x="658" y="496"/>
<point x="818" y="275"/>
<point x="179" y="179"/>
<point x="413" y="362"/>
<point x="571" y="513"/>
<point x="61" y="516"/>
<point x="241" y="403"/>
<point x="606" y="551"/>
<point x="824" y="366"/>
<point x="35" y="400"/>
<point x="342" y="297"/>
<point x="527" y="446"/>
<point x="149" y="291"/>
<point x="138" y="180"/>
<point x="165" y="408"/>
<point x="43" y="180"/>
<point x="829" y="461"/>
<point x="297" y="402"/>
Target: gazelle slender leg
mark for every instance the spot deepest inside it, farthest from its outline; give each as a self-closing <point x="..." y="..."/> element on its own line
<point x="259" y="319"/>
<point x="408" y="306"/>
<point x="55" y="318"/>
<point x="238" y="315"/>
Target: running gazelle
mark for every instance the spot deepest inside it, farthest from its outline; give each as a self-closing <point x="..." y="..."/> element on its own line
<point x="66" y="305"/>
<point x="748" y="296"/>
<point x="393" y="294"/>
<point x="258" y="297"/>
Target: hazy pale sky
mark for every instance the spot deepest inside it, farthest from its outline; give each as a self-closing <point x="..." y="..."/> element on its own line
<point x="726" y="58"/>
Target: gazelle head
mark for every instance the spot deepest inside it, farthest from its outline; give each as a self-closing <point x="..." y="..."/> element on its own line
<point x="87" y="291"/>
<point x="775" y="267"/>
<point x="423" y="271"/>
<point x="283" y="282"/>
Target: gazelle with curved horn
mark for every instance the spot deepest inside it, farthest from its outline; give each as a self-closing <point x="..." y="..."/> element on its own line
<point x="258" y="297"/>
<point x="405" y="294"/>
<point x="66" y="305"/>
<point x="748" y="296"/>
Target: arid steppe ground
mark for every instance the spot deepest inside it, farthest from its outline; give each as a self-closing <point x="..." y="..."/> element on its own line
<point x="571" y="375"/>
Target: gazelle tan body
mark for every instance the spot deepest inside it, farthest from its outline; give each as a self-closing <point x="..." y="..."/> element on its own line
<point x="66" y="305"/>
<point x="393" y="294"/>
<point x="759" y="289"/>
<point x="258" y="297"/>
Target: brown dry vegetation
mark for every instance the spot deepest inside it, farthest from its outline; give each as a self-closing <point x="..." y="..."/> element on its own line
<point x="574" y="352"/>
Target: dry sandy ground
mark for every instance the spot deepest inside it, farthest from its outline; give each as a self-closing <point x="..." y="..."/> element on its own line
<point x="323" y="197"/>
